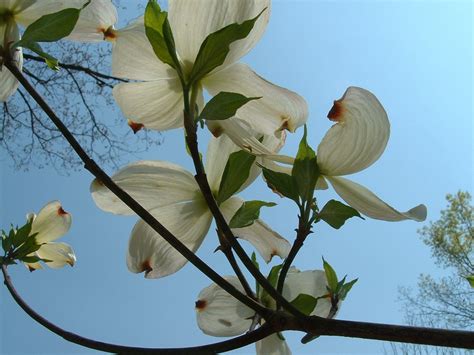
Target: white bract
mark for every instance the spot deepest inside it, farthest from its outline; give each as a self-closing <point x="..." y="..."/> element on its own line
<point x="156" y="100"/>
<point x="96" y="22"/>
<point x="220" y="314"/>
<point x="171" y="194"/>
<point x="22" y="12"/>
<point x="355" y="142"/>
<point x="51" y="223"/>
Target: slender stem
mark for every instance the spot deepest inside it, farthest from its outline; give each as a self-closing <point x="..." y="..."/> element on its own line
<point x="201" y="179"/>
<point x="227" y="345"/>
<point x="302" y="232"/>
<point x="91" y="166"/>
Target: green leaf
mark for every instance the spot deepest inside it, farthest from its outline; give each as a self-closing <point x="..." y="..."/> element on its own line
<point x="30" y="259"/>
<point x="236" y="172"/>
<point x="215" y="47"/>
<point x="331" y="276"/>
<point x="159" y="34"/>
<point x="21" y="234"/>
<point x="7" y="242"/>
<point x="274" y="274"/>
<point x="224" y="105"/>
<point x="346" y="288"/>
<point x="305" y="303"/>
<point x="336" y="213"/>
<point x="248" y="213"/>
<point x="51" y="27"/>
<point x="281" y="183"/>
<point x="28" y="247"/>
<point x="305" y="170"/>
<point x="51" y="62"/>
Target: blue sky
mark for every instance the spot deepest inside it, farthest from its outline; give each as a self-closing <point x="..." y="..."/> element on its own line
<point x="416" y="57"/>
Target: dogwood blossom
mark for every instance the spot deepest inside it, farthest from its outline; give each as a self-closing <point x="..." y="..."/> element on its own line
<point x="171" y="194"/>
<point x="220" y="314"/>
<point x="14" y="13"/>
<point x="156" y="99"/>
<point x="355" y="142"/>
<point x="51" y="223"/>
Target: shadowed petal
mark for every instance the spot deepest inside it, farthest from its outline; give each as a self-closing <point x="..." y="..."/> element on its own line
<point x="267" y="242"/>
<point x="220" y="314"/>
<point x="367" y="203"/>
<point x="39" y="8"/>
<point x="272" y="345"/>
<point x="153" y="184"/>
<point x="148" y="252"/>
<point x="59" y="254"/>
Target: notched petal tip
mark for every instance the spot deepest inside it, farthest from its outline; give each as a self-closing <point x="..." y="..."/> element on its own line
<point x="110" y="34"/>
<point x="136" y="127"/>
<point x="200" y="305"/>
<point x="336" y="112"/>
<point x="61" y="211"/>
<point x="146" y="268"/>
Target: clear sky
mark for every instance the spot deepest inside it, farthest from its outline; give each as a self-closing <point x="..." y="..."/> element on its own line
<point x="415" y="56"/>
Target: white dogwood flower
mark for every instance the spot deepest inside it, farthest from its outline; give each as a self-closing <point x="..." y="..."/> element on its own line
<point x="156" y="99"/>
<point x="171" y="194"/>
<point x="220" y="314"/>
<point x="51" y="223"/>
<point x="15" y="13"/>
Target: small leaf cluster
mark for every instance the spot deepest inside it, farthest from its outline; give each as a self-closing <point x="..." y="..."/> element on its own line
<point x="19" y="244"/>
<point x="337" y="289"/>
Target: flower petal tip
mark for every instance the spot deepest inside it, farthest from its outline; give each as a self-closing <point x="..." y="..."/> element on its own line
<point x="200" y="305"/>
<point x="136" y="127"/>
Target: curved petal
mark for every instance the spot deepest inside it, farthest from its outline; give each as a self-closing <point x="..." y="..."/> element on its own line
<point x="272" y="345"/>
<point x="60" y="254"/>
<point x="367" y="203"/>
<point x="8" y="83"/>
<point x="94" y="21"/>
<point x="311" y="282"/>
<point x="278" y="109"/>
<point x="220" y="314"/>
<point x="245" y="137"/>
<point x="267" y="242"/>
<point x="40" y="8"/>
<point x="133" y="57"/>
<point x="155" y="104"/>
<point x="358" y="138"/>
<point x="193" y="20"/>
<point x="153" y="184"/>
<point x="51" y="223"/>
<point x="148" y="252"/>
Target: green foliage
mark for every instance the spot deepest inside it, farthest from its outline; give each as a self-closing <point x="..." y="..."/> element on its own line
<point x="224" y="105"/>
<point x="336" y="213"/>
<point x="281" y="183"/>
<point x="160" y="36"/>
<point x="338" y="290"/>
<point x="305" y="171"/>
<point x="248" y="213"/>
<point x="305" y="303"/>
<point x="470" y="279"/>
<point x="19" y="243"/>
<point x="216" y="46"/>
<point x="236" y="172"/>
<point x="49" y="28"/>
<point x="451" y="238"/>
<point x="272" y="278"/>
<point x="331" y="276"/>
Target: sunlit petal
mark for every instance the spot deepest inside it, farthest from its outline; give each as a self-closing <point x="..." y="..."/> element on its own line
<point x="220" y="314"/>
<point x="59" y="254"/>
<point x="193" y="20"/>
<point x="148" y="252"/>
<point x="8" y="83"/>
<point x="134" y="58"/>
<point x="311" y="282"/>
<point x="51" y="223"/>
<point x="267" y="242"/>
<point x="40" y="8"/>
<point x="278" y="109"/>
<point x="367" y="203"/>
<point x="153" y="184"/>
<point x="95" y="21"/>
<point x="359" y="136"/>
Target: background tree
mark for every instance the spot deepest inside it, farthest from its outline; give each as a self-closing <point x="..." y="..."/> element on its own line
<point x="83" y="88"/>
<point x="447" y="302"/>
